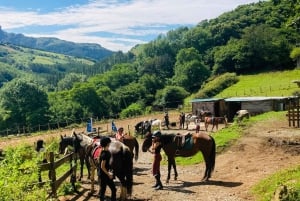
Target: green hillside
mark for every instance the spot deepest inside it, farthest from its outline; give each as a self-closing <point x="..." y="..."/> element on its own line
<point x="264" y="84"/>
<point x="17" y="55"/>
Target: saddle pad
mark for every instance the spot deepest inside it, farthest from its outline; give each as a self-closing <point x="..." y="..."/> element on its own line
<point x="96" y="152"/>
<point x="188" y="144"/>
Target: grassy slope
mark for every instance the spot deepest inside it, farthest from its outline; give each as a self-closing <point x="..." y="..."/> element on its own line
<point x="25" y="56"/>
<point x="264" y="84"/>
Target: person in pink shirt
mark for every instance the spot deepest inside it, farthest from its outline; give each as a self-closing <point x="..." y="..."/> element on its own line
<point x="120" y="134"/>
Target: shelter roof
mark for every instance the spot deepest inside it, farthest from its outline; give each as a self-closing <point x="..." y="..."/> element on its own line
<point x="206" y="100"/>
<point x="254" y="98"/>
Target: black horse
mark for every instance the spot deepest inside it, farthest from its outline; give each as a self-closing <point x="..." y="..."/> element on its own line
<point x="121" y="161"/>
<point x="143" y="127"/>
<point x="193" y="143"/>
<point x="66" y="141"/>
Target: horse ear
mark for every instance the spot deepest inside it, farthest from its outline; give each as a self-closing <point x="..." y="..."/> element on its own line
<point x="61" y="137"/>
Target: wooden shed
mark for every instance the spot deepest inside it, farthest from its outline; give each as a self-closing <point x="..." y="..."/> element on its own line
<point x="214" y="105"/>
<point x="255" y="105"/>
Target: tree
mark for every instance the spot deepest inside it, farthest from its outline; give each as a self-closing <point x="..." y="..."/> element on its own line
<point x="170" y="96"/>
<point x="295" y="54"/>
<point x="190" y="73"/>
<point x="67" y="82"/>
<point x="23" y="104"/>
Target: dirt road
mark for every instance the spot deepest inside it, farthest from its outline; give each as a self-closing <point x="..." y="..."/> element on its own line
<point x="260" y="152"/>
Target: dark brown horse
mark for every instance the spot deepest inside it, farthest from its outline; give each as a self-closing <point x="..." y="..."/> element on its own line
<point x="133" y="145"/>
<point x="214" y="121"/>
<point x="193" y="143"/>
<point x="66" y="141"/>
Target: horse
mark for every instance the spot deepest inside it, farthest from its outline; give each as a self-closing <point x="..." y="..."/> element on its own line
<point x="204" y="113"/>
<point x="156" y="123"/>
<point x="132" y="143"/>
<point x="190" y="118"/>
<point x="66" y="141"/>
<point x="214" y="121"/>
<point x="143" y="127"/>
<point x="241" y="114"/>
<point x="192" y="144"/>
<point x="120" y="162"/>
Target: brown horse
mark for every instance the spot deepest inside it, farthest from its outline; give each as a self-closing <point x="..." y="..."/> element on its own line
<point x="215" y="122"/>
<point x="132" y="143"/>
<point x="193" y="143"/>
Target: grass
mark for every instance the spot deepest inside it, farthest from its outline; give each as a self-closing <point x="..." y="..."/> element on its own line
<point x="264" y="84"/>
<point x="265" y="189"/>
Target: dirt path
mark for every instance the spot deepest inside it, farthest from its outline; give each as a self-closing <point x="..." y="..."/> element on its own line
<point x="263" y="150"/>
<point x="260" y="152"/>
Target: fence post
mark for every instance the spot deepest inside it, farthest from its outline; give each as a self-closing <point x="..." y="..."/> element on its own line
<point x="52" y="175"/>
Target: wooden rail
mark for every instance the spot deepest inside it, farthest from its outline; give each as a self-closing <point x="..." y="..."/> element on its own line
<point x="51" y="168"/>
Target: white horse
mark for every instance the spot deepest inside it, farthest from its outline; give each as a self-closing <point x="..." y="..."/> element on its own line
<point x="156" y="123"/>
<point x="191" y="118"/>
<point x="241" y="114"/>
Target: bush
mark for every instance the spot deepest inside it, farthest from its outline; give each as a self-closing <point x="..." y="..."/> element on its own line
<point x="134" y="109"/>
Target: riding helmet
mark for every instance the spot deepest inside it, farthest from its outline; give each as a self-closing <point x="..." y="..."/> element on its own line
<point x="105" y="141"/>
<point x="156" y="134"/>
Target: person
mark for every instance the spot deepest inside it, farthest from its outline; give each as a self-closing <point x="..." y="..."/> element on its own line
<point x="106" y="177"/>
<point x="181" y="120"/>
<point x="120" y="134"/>
<point x="155" y="149"/>
<point x="166" y="120"/>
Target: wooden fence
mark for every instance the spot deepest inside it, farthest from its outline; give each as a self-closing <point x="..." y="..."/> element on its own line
<point x="51" y="167"/>
<point x="293" y="114"/>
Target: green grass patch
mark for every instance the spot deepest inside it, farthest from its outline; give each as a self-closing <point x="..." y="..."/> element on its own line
<point x="264" y="190"/>
<point x="264" y="84"/>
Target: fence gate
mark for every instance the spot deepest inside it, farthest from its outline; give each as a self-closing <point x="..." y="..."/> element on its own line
<point x="294" y="112"/>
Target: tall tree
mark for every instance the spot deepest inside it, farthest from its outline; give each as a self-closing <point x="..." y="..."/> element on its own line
<point x="23" y="104"/>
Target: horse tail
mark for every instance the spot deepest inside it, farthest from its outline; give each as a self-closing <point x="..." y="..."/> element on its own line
<point x="136" y="149"/>
<point x="212" y="157"/>
<point x="129" y="172"/>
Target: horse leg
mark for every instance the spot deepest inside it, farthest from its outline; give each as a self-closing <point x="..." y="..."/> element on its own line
<point x="175" y="170"/>
<point x="169" y="171"/>
<point x="93" y="168"/>
<point x="88" y="166"/>
<point x="81" y="168"/>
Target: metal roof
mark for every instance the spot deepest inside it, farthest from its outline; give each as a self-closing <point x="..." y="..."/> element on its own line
<point x="255" y="98"/>
<point x="206" y="100"/>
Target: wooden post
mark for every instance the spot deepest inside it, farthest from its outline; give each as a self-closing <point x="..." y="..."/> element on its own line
<point x="52" y="175"/>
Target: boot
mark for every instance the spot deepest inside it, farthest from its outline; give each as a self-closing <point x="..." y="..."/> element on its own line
<point x="159" y="186"/>
<point x="156" y="181"/>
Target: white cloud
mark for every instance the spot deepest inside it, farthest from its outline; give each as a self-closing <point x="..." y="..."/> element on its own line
<point x="78" y="23"/>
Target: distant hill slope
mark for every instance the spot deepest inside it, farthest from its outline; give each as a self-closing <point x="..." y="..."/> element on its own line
<point x="278" y="83"/>
<point x="16" y="61"/>
<point x="83" y="50"/>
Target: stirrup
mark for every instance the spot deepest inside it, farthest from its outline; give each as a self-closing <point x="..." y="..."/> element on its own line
<point x="177" y="152"/>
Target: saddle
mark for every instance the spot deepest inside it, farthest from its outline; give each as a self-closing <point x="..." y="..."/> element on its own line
<point x="181" y="139"/>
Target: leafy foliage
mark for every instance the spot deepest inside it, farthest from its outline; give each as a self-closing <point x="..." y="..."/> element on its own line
<point x="217" y="85"/>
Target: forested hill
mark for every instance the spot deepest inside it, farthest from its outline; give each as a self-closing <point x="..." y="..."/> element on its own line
<point x="85" y="50"/>
<point x="164" y="73"/>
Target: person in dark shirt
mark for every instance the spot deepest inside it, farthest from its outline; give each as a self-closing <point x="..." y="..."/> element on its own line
<point x="106" y="177"/>
<point x="167" y="122"/>
<point x="155" y="149"/>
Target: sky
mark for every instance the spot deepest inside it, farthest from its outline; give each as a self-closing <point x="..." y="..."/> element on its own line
<point x="117" y="25"/>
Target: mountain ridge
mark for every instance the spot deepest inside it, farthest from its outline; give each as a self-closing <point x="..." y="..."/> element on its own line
<point x="90" y="51"/>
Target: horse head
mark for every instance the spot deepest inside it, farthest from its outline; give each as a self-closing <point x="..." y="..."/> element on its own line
<point x="147" y="142"/>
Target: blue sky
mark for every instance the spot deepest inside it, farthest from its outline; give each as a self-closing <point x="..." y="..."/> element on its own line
<point x="114" y="24"/>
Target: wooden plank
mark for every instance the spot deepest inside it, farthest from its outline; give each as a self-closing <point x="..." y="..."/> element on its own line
<point x="60" y="180"/>
<point x="63" y="160"/>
